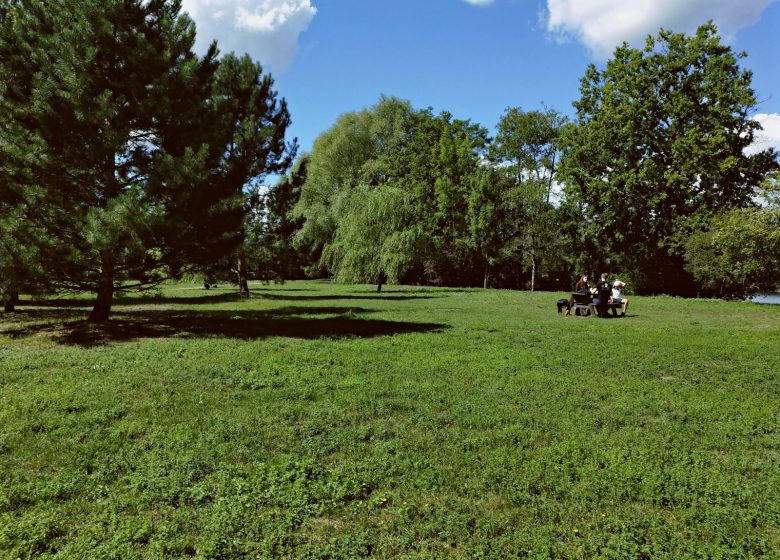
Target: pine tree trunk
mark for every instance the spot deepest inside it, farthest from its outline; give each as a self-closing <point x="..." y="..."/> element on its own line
<point x="105" y="294"/>
<point x="243" y="280"/>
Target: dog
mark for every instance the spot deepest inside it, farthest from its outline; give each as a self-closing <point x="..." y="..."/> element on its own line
<point x="563" y="303"/>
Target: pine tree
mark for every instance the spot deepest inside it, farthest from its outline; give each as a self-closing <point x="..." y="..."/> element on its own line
<point x="127" y="149"/>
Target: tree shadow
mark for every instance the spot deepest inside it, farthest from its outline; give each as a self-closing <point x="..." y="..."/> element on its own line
<point x="295" y="322"/>
<point x="35" y="314"/>
<point x="120" y="299"/>
<point x="208" y="298"/>
<point x="378" y="297"/>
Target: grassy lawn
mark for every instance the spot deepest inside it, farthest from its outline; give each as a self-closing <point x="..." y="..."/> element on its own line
<point x="324" y="421"/>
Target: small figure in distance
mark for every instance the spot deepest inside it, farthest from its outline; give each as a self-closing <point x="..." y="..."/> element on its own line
<point x="617" y="296"/>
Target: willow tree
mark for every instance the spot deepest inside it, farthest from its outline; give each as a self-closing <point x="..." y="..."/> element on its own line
<point x="348" y="200"/>
<point x="386" y="195"/>
<point x="376" y="240"/>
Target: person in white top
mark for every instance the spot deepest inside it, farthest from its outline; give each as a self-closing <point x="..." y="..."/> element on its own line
<point x="617" y="296"/>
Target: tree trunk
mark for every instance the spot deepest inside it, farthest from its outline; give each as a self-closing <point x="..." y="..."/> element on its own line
<point x="105" y="294"/>
<point x="487" y="276"/>
<point x="243" y="280"/>
<point x="533" y="269"/>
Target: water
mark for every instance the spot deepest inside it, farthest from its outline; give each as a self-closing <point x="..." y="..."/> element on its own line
<point x="767" y="298"/>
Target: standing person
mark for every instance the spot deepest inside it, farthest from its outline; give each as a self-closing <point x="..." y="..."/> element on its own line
<point x="617" y="296"/>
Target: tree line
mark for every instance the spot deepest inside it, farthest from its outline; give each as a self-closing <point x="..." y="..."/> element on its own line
<point x="650" y="180"/>
<point x="126" y="159"/>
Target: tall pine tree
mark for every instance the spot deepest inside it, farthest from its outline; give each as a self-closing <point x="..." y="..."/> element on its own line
<point x="127" y="149"/>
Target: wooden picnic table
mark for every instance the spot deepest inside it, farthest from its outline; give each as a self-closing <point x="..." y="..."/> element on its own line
<point x="582" y="305"/>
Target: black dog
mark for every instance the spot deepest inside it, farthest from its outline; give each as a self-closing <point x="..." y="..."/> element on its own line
<point x="561" y="303"/>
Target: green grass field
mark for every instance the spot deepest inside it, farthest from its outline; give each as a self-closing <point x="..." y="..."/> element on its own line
<point x="325" y="421"/>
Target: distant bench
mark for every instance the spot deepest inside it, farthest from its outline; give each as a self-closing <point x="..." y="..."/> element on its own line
<point x="584" y="307"/>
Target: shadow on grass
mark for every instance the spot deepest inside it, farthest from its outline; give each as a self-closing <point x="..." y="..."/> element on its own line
<point x="27" y="315"/>
<point x="120" y="299"/>
<point x="295" y="322"/>
<point x="223" y="297"/>
<point x="388" y="297"/>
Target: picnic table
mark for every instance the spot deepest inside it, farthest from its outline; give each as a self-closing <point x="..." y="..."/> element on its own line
<point x="582" y="305"/>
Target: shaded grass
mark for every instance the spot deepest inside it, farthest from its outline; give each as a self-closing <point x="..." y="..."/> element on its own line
<point x="293" y="322"/>
<point x="443" y="423"/>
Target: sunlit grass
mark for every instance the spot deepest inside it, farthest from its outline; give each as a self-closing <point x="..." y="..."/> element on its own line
<point x="325" y="421"/>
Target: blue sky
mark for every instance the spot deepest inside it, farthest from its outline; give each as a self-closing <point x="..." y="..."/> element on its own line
<point x="473" y="58"/>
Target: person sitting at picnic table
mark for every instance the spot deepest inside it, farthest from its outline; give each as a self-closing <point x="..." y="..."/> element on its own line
<point x="617" y="296"/>
<point x="603" y="296"/>
<point x="582" y="284"/>
<point x="581" y="289"/>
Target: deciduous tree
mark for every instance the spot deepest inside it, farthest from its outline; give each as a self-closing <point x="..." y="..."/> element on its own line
<point x="527" y="150"/>
<point x="659" y="148"/>
<point x="738" y="255"/>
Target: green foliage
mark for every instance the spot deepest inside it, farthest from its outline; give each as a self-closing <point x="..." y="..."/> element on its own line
<point x="276" y="237"/>
<point x="376" y="241"/>
<point x="441" y="165"/>
<point x="659" y="147"/>
<point x="85" y="83"/>
<point x="246" y="143"/>
<point x="427" y="161"/>
<point x="528" y="145"/>
<point x="20" y="266"/>
<point x="349" y="154"/>
<point x="317" y="420"/>
<point x="128" y="151"/>
<point x="526" y="152"/>
<point x="739" y="254"/>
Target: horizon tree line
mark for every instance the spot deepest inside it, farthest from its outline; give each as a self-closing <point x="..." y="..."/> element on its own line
<point x="127" y="159"/>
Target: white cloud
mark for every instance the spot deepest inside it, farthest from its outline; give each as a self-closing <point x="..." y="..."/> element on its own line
<point x="604" y="24"/>
<point x="266" y="29"/>
<point x="479" y="2"/>
<point x="767" y="138"/>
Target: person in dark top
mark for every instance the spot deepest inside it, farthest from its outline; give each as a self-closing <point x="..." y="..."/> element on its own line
<point x="603" y="295"/>
<point x="582" y="284"/>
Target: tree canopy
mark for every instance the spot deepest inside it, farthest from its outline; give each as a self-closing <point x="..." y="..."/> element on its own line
<point x="126" y="158"/>
<point x="402" y="177"/>
<point x="128" y="150"/>
<point x="658" y="148"/>
<point x="738" y="255"/>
